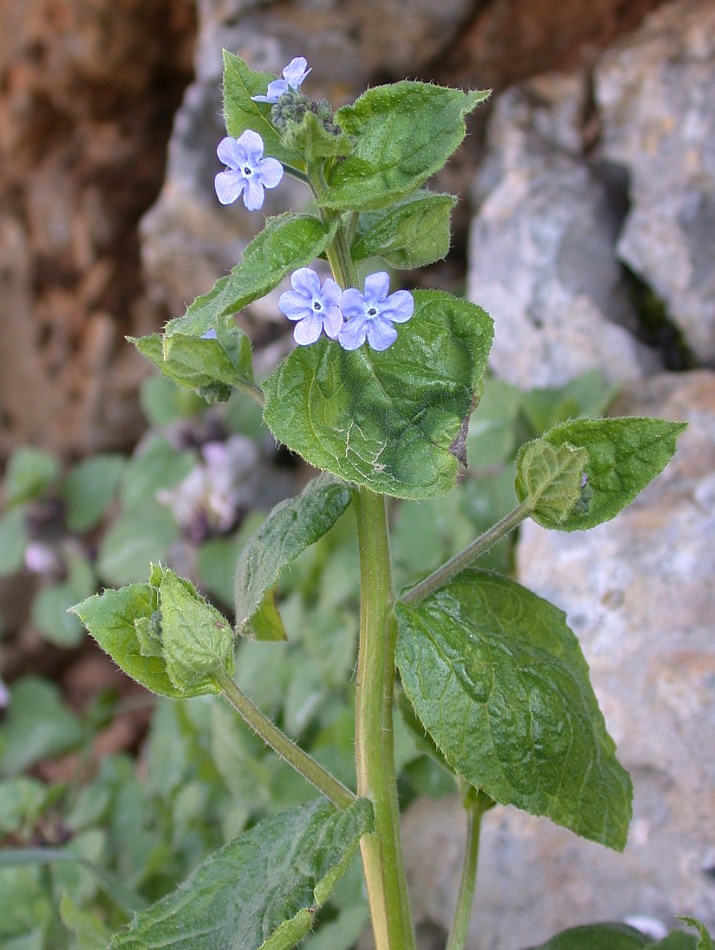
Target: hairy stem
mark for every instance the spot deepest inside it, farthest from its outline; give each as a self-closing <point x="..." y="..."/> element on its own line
<point x="382" y="850"/>
<point x="476" y="803"/>
<point x="282" y="745"/>
<point x="464" y="558"/>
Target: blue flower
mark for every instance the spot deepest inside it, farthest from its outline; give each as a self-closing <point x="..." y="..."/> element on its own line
<point x="247" y="172"/>
<point x="315" y="308"/>
<point x="371" y="315"/>
<point x="293" y="76"/>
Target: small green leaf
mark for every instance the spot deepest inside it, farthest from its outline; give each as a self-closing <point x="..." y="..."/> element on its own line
<point x="386" y="420"/>
<point x="157" y="466"/>
<point x="240" y="83"/>
<point x="290" y="528"/>
<point x="704" y="939"/>
<point x="499" y="682"/>
<point x="197" y="640"/>
<point x="209" y="366"/>
<point x="38" y="725"/>
<point x="89" y="488"/>
<point x="287" y="242"/>
<point x="412" y="234"/>
<point x="598" y="937"/>
<point x="624" y="454"/>
<point x="404" y="133"/>
<point x="111" y="618"/>
<point x="550" y="478"/>
<point x="13" y="538"/>
<point x="311" y="139"/>
<point x="50" y="607"/>
<point x="139" y="536"/>
<point x="261" y="891"/>
<point x="29" y="472"/>
<point x="87" y="929"/>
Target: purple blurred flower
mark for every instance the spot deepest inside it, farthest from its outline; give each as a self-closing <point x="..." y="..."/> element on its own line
<point x="315" y="308"/>
<point x="293" y="76"/>
<point x="370" y="315"/>
<point x="247" y="172"/>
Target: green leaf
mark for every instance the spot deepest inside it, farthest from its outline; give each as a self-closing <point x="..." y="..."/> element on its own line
<point x="598" y="937"/>
<point x="404" y="133"/>
<point x="29" y="472"/>
<point x="37" y="726"/>
<point x="411" y="234"/>
<point x="287" y="242"/>
<point x="550" y="477"/>
<point x="209" y="366"/>
<point x="624" y="454"/>
<point x="87" y="929"/>
<point x="197" y="640"/>
<point x="704" y="939"/>
<point x="50" y="616"/>
<point x="499" y="682"/>
<point x="311" y="139"/>
<point x="261" y="891"/>
<point x="159" y="465"/>
<point x="13" y="538"/>
<point x="111" y="618"/>
<point x="240" y="83"/>
<point x="290" y="528"/>
<point x="89" y="488"/>
<point x="386" y="420"/>
<point x="588" y="394"/>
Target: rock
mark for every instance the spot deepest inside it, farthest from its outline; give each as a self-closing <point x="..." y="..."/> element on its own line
<point x="638" y="592"/>
<point x="542" y="257"/>
<point x="655" y="92"/>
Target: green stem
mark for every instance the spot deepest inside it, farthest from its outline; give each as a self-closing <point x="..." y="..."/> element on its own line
<point x="464" y="558"/>
<point x="282" y="745"/>
<point x="253" y="391"/>
<point x="376" y="778"/>
<point x="463" y="910"/>
<point x="338" y="252"/>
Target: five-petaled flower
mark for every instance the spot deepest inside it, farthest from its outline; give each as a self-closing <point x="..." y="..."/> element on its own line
<point x="315" y="308"/>
<point x="370" y="315"/>
<point x="247" y="172"/>
<point x="293" y="76"/>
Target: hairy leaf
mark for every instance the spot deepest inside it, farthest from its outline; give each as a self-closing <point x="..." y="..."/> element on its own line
<point x="261" y="891"/>
<point x="386" y="420"/>
<point x="287" y="242"/>
<point x="551" y="477"/>
<point x="624" y="454"/>
<point x="412" y="234"/>
<point x="404" y="133"/>
<point x="292" y="526"/>
<point x="499" y="682"/>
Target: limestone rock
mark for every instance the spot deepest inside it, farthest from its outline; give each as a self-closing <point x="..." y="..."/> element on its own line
<point x="638" y="593"/>
<point x="655" y="92"/>
<point x="542" y="259"/>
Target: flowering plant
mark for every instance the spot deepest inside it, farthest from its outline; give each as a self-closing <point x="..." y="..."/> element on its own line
<point x="377" y="396"/>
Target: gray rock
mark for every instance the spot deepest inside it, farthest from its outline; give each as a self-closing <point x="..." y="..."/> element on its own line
<point x="638" y="592"/>
<point x="542" y="258"/>
<point x="655" y="92"/>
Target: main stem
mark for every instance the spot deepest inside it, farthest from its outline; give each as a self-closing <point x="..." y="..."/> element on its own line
<point x="376" y="778"/>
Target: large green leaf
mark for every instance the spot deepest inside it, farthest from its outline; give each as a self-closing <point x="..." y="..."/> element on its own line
<point x="598" y="937"/>
<point x="261" y="891"/>
<point x="499" y="682"/>
<point x="386" y="420"/>
<point x="414" y="233"/>
<point x="404" y="133"/>
<point x="287" y="242"/>
<point x="624" y="454"/>
<point x="290" y="528"/>
<point x="240" y="83"/>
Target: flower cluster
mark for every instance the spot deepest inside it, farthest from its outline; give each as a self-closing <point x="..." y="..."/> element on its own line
<point x="348" y="316"/>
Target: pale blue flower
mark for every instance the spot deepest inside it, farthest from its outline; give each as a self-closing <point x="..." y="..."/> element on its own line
<point x="370" y="315"/>
<point x="293" y="76"/>
<point x="247" y="172"/>
<point x="315" y="308"/>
